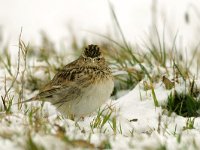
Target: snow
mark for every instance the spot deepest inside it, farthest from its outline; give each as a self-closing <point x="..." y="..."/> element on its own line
<point x="144" y="131"/>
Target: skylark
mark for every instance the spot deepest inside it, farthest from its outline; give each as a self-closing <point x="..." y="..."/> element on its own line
<point x="82" y="86"/>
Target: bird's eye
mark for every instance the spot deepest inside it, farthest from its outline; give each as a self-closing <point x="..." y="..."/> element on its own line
<point x="98" y="59"/>
<point x="85" y="59"/>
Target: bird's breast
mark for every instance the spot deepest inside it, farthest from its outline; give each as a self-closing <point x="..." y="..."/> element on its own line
<point x="93" y="97"/>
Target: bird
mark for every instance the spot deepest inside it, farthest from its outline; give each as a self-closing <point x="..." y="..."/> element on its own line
<point x="81" y="86"/>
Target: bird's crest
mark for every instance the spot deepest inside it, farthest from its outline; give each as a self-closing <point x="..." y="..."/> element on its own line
<point x="92" y="51"/>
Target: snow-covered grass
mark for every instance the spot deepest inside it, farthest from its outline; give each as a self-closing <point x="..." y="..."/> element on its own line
<point x="142" y="118"/>
<point x="155" y="103"/>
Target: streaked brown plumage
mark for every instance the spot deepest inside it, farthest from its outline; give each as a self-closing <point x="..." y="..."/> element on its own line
<point x="82" y="86"/>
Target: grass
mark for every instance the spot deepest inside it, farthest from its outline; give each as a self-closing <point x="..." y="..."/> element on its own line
<point x="183" y="104"/>
<point x="186" y="103"/>
<point x="106" y="115"/>
<point x="189" y="124"/>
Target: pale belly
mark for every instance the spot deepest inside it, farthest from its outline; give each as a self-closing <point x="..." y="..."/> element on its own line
<point x="91" y="99"/>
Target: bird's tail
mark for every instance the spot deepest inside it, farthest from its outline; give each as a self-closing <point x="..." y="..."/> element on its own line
<point x="28" y="100"/>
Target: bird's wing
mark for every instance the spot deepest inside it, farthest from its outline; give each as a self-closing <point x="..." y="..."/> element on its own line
<point x="66" y="85"/>
<point x="69" y="73"/>
<point x="61" y="93"/>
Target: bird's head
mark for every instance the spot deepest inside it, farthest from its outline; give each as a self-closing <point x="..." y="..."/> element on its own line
<point x="92" y="55"/>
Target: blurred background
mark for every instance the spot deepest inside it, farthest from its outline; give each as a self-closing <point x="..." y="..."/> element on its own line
<point x="60" y="20"/>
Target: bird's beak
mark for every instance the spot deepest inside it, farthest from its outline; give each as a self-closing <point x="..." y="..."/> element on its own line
<point x="92" y="60"/>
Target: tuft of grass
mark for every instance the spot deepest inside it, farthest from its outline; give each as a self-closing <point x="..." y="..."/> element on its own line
<point x="157" y="48"/>
<point x="189" y="124"/>
<point x="7" y="103"/>
<point x="183" y="104"/>
<point x="23" y="48"/>
<point x="103" y="118"/>
<point x="100" y="120"/>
